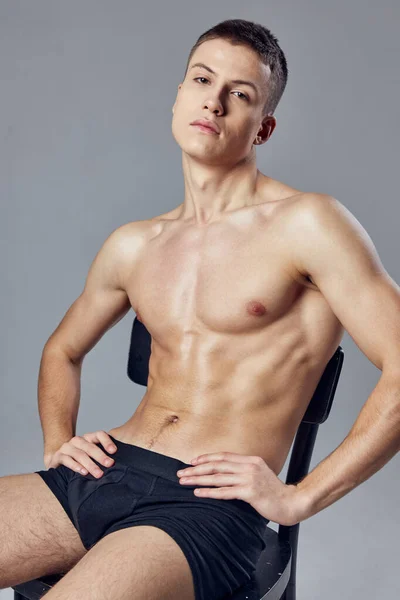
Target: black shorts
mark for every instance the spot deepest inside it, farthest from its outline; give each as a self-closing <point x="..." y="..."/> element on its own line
<point x="221" y="539"/>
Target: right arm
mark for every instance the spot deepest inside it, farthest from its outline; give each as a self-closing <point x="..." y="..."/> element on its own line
<point x="102" y="304"/>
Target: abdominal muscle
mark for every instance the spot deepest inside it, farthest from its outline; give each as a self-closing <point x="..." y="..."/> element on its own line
<point x="238" y="410"/>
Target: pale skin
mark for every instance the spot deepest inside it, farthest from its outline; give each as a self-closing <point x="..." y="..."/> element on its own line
<point x="244" y="315"/>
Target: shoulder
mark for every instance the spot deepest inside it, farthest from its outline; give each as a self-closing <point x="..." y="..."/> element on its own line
<point x="327" y="237"/>
<point x="131" y="235"/>
<point x="123" y="246"/>
<point x="324" y="217"/>
<point x="317" y="205"/>
<point x="319" y="229"/>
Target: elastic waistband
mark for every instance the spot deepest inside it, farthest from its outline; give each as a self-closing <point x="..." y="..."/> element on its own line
<point x="148" y="460"/>
<point x="164" y="466"/>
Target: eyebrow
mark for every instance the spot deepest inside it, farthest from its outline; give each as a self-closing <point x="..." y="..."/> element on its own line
<point x="240" y="81"/>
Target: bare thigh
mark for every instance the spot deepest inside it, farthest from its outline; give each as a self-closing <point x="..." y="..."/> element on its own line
<point x="136" y="563"/>
<point x="37" y="536"/>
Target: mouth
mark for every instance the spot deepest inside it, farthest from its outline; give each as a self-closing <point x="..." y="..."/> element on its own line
<point x="206" y="125"/>
<point x="205" y="129"/>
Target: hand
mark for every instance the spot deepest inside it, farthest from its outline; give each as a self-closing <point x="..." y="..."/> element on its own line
<point x="246" y="478"/>
<point x="75" y="453"/>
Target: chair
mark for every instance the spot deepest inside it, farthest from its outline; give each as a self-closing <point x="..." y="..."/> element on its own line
<point x="275" y="575"/>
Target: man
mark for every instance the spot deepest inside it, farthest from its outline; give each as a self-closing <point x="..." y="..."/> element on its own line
<point x="246" y="289"/>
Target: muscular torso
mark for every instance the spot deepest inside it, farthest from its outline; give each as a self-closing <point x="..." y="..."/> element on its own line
<point x="239" y="337"/>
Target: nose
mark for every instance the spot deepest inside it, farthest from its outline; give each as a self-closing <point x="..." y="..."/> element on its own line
<point x="214" y="106"/>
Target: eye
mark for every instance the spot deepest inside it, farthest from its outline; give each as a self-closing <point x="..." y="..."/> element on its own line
<point x="196" y="78"/>
<point x="242" y="95"/>
<point x="237" y="92"/>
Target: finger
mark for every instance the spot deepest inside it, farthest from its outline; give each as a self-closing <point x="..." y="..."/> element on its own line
<point x="81" y="450"/>
<point x="93" y="449"/>
<point x="228" y="456"/>
<point x="222" y="493"/>
<point x="101" y="437"/>
<point x="82" y="457"/>
<point x="106" y="440"/>
<point x="72" y="464"/>
<point x="221" y="466"/>
<point x="218" y="479"/>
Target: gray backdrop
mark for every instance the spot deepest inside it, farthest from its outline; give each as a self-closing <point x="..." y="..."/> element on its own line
<point x="87" y="90"/>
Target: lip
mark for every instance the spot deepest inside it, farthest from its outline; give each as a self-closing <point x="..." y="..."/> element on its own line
<point x="206" y="124"/>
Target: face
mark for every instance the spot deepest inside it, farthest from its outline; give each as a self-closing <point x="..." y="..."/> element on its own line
<point x="235" y="107"/>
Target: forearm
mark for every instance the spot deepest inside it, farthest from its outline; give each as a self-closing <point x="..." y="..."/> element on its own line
<point x="372" y="441"/>
<point x="59" y="387"/>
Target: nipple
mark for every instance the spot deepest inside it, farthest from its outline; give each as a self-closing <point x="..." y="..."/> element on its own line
<point x="256" y="308"/>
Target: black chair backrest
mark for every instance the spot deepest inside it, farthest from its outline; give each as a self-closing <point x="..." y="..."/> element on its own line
<point x="139" y="353"/>
<point x="317" y="412"/>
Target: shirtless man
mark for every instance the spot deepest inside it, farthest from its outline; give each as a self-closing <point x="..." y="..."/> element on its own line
<point x="246" y="289"/>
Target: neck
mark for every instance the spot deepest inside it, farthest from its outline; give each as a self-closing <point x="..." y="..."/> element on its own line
<point x="212" y="190"/>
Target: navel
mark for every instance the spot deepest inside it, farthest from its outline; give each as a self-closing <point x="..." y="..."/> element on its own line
<point x="256" y="308"/>
<point x="174" y="418"/>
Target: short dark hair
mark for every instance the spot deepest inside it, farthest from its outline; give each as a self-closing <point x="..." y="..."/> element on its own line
<point x="260" y="40"/>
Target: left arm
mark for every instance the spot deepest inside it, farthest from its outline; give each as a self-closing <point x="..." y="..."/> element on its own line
<point x="372" y="441"/>
<point x="336" y="251"/>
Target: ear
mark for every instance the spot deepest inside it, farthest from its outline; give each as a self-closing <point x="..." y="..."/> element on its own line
<point x="267" y="128"/>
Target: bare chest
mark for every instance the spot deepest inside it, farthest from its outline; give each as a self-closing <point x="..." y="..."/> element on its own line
<point x="227" y="279"/>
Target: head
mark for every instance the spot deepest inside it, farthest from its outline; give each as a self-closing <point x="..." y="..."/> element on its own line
<point x="232" y="50"/>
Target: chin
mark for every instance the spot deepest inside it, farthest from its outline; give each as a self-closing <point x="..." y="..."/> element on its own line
<point x="194" y="149"/>
<point x="204" y="156"/>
